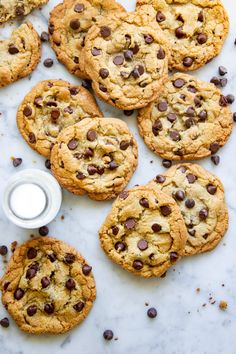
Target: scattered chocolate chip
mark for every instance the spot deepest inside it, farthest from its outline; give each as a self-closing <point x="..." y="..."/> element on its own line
<point x="202" y="38"/>
<point x="32" y="253"/>
<point x="152" y="312"/>
<point x="130" y="223"/>
<point x="178" y="83"/>
<point x="189" y="203"/>
<point x="19" y="293"/>
<point x="3" y="250"/>
<point x="173" y="256"/>
<point x="102" y="88"/>
<point x="75" y="24"/>
<point x="69" y="258"/>
<point x="166" y="163"/>
<point x="201" y="16"/>
<point x="211" y="189"/>
<point x="44" y="37"/>
<point x="31" y="310"/>
<point x="223" y="102"/>
<point x="49" y="308"/>
<point x="128" y="54"/>
<point x="148" y="38"/>
<point x="138" y="265"/>
<point x="52" y="257"/>
<point x="48" y="164"/>
<point x="156" y="227"/>
<point x="86" y="269"/>
<point x="124" y="195"/>
<point x="105" y="31"/>
<point x="79" y="306"/>
<point x="171" y="117"/>
<point x="214" y="147"/>
<point x="48" y="63"/>
<point x="230" y="99"/>
<point x="215" y="80"/>
<point x="124" y="144"/>
<point x="215" y="159"/>
<point x="4" y="322"/>
<point x="104" y="73"/>
<point x="203" y="214"/>
<point x="108" y="334"/>
<point x="70" y="284"/>
<point x="160" y="17"/>
<point x="179" y="32"/>
<point x="87" y="84"/>
<point x="137" y="71"/>
<point x="223" y="82"/>
<point x="222" y="70"/>
<point x="188" y="61"/>
<point x="174" y="135"/>
<point x="79" y="8"/>
<point x="142" y="245"/>
<point x="12" y="49"/>
<point x="161" y="53"/>
<point x="179" y="195"/>
<point x="27" y="111"/>
<point x="45" y="282"/>
<point x="160" y="179"/>
<point x="144" y="203"/>
<point x="165" y="210"/>
<point x="118" y="60"/>
<point x="43" y="231"/>
<point x="128" y="113"/>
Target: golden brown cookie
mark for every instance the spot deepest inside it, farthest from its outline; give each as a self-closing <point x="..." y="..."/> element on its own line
<point x="200" y="196"/>
<point x="189" y="120"/>
<point x="20" y="54"/>
<point x="126" y="57"/>
<point x="51" y="106"/>
<point x="47" y="287"/>
<point x="13" y="8"/>
<point x="96" y="157"/>
<point x="144" y="232"/>
<point x="68" y="27"/>
<point x="196" y="29"/>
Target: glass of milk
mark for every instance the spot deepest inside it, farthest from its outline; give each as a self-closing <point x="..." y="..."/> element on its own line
<point x="32" y="198"/>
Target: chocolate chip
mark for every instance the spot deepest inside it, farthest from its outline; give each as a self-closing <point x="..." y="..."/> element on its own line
<point x="222" y="70"/>
<point x="190" y="112"/>
<point x="142" y="245"/>
<point x="156" y="227"/>
<point x="86" y="269"/>
<point x="198" y="102"/>
<point x="55" y="114"/>
<point x="189" y="123"/>
<point x="165" y="210"/>
<point x="124" y="195"/>
<point x="115" y="230"/>
<point x="31" y="310"/>
<point x="223" y="82"/>
<point x="171" y="117"/>
<point x="138" y="265"/>
<point x="3" y="250"/>
<point x="100" y="170"/>
<point x="192" y="89"/>
<point x="43" y="230"/>
<point x="230" y="99"/>
<point x="166" y="163"/>
<point x="173" y="256"/>
<point x="179" y="195"/>
<point x="202" y="38"/>
<point x="32" y="253"/>
<point x="51" y="28"/>
<point x="120" y="247"/>
<point x="203" y="214"/>
<point x="52" y="257"/>
<point x="18" y="294"/>
<point x="68" y="110"/>
<point x="215" y="159"/>
<point x="91" y="170"/>
<point x="128" y="113"/>
<point x="118" y="60"/>
<point x="179" y="32"/>
<point x="135" y="49"/>
<point x="128" y="54"/>
<point x="124" y="144"/>
<point x="70" y="284"/>
<point x="137" y="71"/>
<point x="72" y="145"/>
<point x="192" y="232"/>
<point x="80" y="175"/>
<point x="152" y="312"/>
<point x="91" y="135"/>
<point x="189" y="203"/>
<point x="148" y="38"/>
<point x="96" y="51"/>
<point x="160" y="179"/>
<point x="215" y="80"/>
<point x="162" y="106"/>
<point x="69" y="258"/>
<point x="214" y="147"/>
<point x="79" y="306"/>
<point x="191" y="178"/>
<point x="130" y="223"/>
<point x="75" y="24"/>
<point x="234" y="116"/>
<point x="38" y="101"/>
<point x="4" y="322"/>
<point x="188" y="61"/>
<point x="201" y="16"/>
<point x="102" y="88"/>
<point x="73" y="91"/>
<point x="183" y="169"/>
<point x="161" y="53"/>
<point x="12" y="49"/>
<point x="108" y="334"/>
<point x="202" y="115"/>
<point x="174" y="135"/>
<point x="157" y="126"/>
<point x="19" y="11"/>
<point x="104" y="73"/>
<point x="211" y="189"/>
<point x="178" y="83"/>
<point x="31" y="272"/>
<point x="48" y="63"/>
<point x="51" y="104"/>
<point x="144" y="203"/>
<point x="87" y="84"/>
<point x="87" y="153"/>
<point x="44" y="37"/>
<point x="105" y="31"/>
<point x="45" y="282"/>
<point x="79" y="8"/>
<point x="49" y="308"/>
<point x="27" y="111"/>
<point x="160" y="17"/>
<point x="223" y="102"/>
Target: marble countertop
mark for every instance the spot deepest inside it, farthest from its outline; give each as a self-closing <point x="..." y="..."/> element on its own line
<point x="186" y="322"/>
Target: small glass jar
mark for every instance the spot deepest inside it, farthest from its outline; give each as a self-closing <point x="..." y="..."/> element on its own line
<point x="32" y="198"/>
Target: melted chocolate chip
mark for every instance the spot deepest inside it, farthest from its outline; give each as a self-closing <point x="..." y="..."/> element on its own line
<point x="19" y="293"/>
<point x="130" y="223"/>
<point x="49" y="308"/>
<point x="214" y="147"/>
<point x="178" y="83"/>
<point x="144" y="203"/>
<point x="105" y="31"/>
<point x="79" y="8"/>
<point x="160" y="17"/>
<point x="12" y="49"/>
<point x="202" y="115"/>
<point x="179" y="32"/>
<point x="120" y="247"/>
<point x="161" y="54"/>
<point x="69" y="258"/>
<point x="96" y="51"/>
<point x="102" y="88"/>
<point x="173" y="256"/>
<point x="79" y="306"/>
<point x="223" y="101"/>
<point x="75" y="24"/>
<point x="115" y="230"/>
<point x="19" y="11"/>
<point x="70" y="284"/>
<point x="45" y="282"/>
<point x="72" y="145"/>
<point x="190" y="112"/>
<point x="171" y="117"/>
<point x="31" y="253"/>
<point x="27" y="111"/>
<point x="156" y="227"/>
<point x="157" y="126"/>
<point x="31" y="310"/>
<point x="201" y="16"/>
<point x="86" y="269"/>
<point x="138" y="265"/>
<point x="128" y="54"/>
<point x="80" y="175"/>
<point x="91" y="135"/>
<point x="191" y="178"/>
<point x="104" y="73"/>
<point x="137" y="71"/>
<point x="148" y="39"/>
<point x="162" y="106"/>
<point x="174" y="135"/>
<point x="165" y="210"/>
<point x="124" y="144"/>
<point x="55" y="114"/>
<point x="38" y="101"/>
<point x="118" y="60"/>
<point x="124" y="195"/>
<point x="166" y="163"/>
<point x="211" y="189"/>
<point x="52" y="257"/>
<point x="142" y="245"/>
<point x="192" y="89"/>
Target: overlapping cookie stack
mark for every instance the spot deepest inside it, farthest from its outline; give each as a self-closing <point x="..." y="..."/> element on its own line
<point x="126" y="56"/>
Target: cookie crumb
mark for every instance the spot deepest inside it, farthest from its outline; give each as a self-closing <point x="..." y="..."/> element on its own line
<point x="198" y="290"/>
<point x="146" y="303"/>
<point x="63" y="217"/>
<point x="223" y="305"/>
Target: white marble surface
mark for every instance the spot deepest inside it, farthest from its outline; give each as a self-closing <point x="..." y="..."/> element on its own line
<point x="183" y="325"/>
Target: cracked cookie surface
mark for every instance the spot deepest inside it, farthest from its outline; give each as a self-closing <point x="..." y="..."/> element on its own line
<point x="126" y="57"/>
<point x="20" y="54"/>
<point x="51" y="106"/>
<point x="189" y="120"/>
<point x="68" y="27"/>
<point x="47" y="287"/>
<point x="95" y="156"/>
<point x="200" y="196"/>
<point x="196" y="29"/>
<point x="13" y="8"/>
<point x="144" y="232"/>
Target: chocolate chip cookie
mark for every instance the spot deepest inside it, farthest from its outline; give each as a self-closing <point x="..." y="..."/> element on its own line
<point x="95" y="156"/>
<point x="189" y="120"/>
<point x="200" y="196"/>
<point x="20" y="54"/>
<point x="13" y="8"/>
<point x="48" y="287"/>
<point x="144" y="232"/>
<point x="68" y="27"/>
<point x="196" y="29"/>
<point x="127" y="59"/>
<point x="51" y="106"/>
